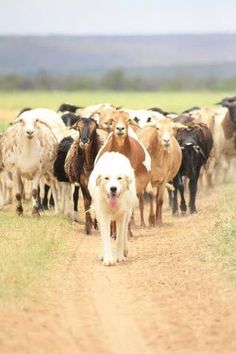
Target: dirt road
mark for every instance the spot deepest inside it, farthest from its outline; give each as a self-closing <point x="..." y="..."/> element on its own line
<point x="169" y="297"/>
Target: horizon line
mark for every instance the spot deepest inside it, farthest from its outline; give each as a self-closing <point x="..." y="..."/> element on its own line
<point x="116" y="34"/>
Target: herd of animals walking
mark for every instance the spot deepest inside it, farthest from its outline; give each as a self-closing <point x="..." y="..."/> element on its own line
<point x="115" y="156"/>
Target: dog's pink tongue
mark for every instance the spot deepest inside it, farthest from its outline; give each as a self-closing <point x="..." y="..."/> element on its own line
<point x="113" y="201"/>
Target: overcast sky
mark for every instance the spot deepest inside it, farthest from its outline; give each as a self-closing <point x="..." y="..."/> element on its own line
<point x="116" y="17"/>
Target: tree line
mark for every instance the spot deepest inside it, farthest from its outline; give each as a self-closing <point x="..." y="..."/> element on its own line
<point x="115" y="80"/>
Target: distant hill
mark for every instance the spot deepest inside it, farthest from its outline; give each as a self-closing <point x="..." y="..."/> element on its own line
<point x="160" y="55"/>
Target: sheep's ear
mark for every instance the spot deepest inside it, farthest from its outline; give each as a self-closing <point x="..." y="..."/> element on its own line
<point x="180" y="126"/>
<point x="75" y="126"/>
<point x="17" y="121"/>
<point x="133" y="123"/>
<point x="98" y="180"/>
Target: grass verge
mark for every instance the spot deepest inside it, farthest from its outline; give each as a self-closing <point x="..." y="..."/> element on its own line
<point x="226" y="225"/>
<point x="29" y="250"/>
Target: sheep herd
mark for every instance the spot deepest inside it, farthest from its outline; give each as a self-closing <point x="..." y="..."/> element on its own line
<point x="43" y="150"/>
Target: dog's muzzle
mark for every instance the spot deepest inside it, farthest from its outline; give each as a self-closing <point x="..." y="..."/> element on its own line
<point x="113" y="197"/>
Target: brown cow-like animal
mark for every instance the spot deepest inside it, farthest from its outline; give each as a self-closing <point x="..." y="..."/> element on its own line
<point x="166" y="159"/>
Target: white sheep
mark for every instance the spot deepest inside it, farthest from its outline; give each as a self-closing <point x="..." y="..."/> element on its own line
<point x="144" y="117"/>
<point x="54" y="121"/>
<point x="28" y="149"/>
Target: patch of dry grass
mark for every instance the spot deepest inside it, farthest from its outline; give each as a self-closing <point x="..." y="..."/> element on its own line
<point x="226" y="226"/>
<point x="29" y="249"/>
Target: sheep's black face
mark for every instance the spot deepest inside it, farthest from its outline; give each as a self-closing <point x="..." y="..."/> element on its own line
<point x="87" y="128"/>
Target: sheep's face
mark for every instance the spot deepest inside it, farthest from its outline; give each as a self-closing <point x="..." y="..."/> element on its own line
<point x="105" y="119"/>
<point x="87" y="128"/>
<point x="166" y="129"/>
<point x="120" y="124"/>
<point x="28" y="126"/>
<point x="106" y="124"/>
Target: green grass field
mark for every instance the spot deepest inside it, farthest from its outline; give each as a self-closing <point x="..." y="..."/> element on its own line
<point x="11" y="103"/>
<point x="172" y="101"/>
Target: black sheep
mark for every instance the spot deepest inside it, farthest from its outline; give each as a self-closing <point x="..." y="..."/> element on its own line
<point x="58" y="168"/>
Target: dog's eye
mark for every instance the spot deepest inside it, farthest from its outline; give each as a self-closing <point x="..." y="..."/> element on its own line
<point x="107" y="178"/>
<point x="119" y="178"/>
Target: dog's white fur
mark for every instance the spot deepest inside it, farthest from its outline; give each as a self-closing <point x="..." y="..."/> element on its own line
<point x="113" y="170"/>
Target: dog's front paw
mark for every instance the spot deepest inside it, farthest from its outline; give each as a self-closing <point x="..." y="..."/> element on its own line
<point x="108" y="261"/>
<point x="120" y="258"/>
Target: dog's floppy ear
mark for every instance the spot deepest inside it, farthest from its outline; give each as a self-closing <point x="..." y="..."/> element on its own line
<point x="98" y="180"/>
<point x="128" y="181"/>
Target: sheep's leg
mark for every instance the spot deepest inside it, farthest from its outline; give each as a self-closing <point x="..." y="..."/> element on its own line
<point x="45" y="197"/>
<point x="63" y="197"/>
<point x="176" y="183"/>
<point x="159" y="203"/>
<point x="67" y="198"/>
<point x="141" y="208"/>
<point x="152" y="217"/>
<point x="87" y="205"/>
<point x="35" y="184"/>
<point x="51" y="201"/>
<point x="8" y="189"/>
<point x="18" y="186"/>
<point x="75" y="198"/>
<point x="130" y="230"/>
<point x="55" y="195"/>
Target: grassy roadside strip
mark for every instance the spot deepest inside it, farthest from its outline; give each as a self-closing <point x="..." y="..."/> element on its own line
<point x="226" y="228"/>
<point x="30" y="248"/>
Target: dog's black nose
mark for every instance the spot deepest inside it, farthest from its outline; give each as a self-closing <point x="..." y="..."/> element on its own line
<point x="113" y="189"/>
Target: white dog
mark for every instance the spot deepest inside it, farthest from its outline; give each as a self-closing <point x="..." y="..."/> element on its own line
<point x="112" y="187"/>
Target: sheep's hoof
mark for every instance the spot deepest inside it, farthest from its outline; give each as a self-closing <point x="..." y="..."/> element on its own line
<point x="152" y="220"/>
<point x="35" y="211"/>
<point x="95" y="224"/>
<point x="88" y="231"/>
<point x="130" y="234"/>
<point x="159" y="224"/>
<point x="183" y="212"/>
<point x="19" y="210"/>
<point x="126" y="252"/>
